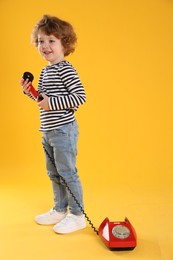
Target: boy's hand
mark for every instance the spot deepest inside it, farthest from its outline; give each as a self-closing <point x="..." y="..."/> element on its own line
<point x="25" y="85"/>
<point x="44" y="103"/>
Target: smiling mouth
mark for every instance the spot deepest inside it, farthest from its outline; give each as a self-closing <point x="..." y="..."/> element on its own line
<point x="47" y="53"/>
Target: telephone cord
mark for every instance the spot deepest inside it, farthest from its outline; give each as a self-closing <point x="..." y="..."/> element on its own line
<point x="68" y="188"/>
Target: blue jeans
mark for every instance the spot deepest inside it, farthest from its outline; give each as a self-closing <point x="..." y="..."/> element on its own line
<point x="61" y="145"/>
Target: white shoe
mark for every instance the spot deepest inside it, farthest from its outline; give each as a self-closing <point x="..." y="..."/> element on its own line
<point x="70" y="224"/>
<point x="50" y="217"/>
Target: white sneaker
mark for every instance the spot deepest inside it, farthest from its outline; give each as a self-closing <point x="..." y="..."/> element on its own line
<point x="70" y="224"/>
<point x="50" y="217"/>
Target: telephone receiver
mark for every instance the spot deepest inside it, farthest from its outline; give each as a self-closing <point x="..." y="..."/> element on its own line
<point x="118" y="235"/>
<point x="115" y="235"/>
<point x="33" y="92"/>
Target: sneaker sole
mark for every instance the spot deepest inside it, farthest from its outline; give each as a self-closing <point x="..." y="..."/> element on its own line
<point x="66" y="231"/>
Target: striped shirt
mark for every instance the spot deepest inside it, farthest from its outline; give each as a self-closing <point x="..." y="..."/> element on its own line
<point x="61" y="83"/>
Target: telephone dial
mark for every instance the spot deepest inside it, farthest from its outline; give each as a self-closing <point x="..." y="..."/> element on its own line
<point x="115" y="235"/>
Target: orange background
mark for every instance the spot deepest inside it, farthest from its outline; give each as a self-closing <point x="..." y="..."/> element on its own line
<point x="125" y="59"/>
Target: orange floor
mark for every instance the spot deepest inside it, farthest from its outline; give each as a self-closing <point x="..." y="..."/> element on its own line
<point x="148" y="207"/>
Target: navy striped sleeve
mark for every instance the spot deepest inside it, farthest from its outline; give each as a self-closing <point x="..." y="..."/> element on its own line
<point x="76" y="95"/>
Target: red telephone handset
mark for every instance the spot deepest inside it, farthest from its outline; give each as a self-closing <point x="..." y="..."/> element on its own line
<point x="34" y="93"/>
<point x="118" y="235"/>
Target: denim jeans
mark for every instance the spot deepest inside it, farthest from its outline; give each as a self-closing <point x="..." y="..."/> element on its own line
<point x="61" y="145"/>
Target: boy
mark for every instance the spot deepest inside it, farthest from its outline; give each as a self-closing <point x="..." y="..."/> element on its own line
<point x="62" y="94"/>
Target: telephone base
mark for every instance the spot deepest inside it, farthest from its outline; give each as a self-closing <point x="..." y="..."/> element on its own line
<point x="118" y="235"/>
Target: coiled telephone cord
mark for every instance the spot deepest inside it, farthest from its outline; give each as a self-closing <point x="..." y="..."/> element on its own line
<point x="66" y="185"/>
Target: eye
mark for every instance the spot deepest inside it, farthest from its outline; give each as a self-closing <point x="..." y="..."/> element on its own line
<point x="52" y="41"/>
<point x="40" y="42"/>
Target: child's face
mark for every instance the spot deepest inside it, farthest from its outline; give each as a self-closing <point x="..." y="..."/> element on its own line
<point x="50" y="48"/>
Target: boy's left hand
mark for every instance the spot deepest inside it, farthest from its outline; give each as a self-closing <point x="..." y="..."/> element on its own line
<point x="44" y="103"/>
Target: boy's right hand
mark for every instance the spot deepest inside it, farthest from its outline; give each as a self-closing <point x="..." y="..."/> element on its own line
<point x="25" y="85"/>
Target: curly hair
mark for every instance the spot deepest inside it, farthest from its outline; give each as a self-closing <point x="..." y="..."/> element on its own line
<point x="51" y="25"/>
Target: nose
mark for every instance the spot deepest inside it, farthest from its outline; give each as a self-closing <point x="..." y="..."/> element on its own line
<point x="45" y="45"/>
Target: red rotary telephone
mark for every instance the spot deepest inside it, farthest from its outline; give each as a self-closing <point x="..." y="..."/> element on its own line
<point x="118" y="235"/>
<point x="115" y="235"/>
